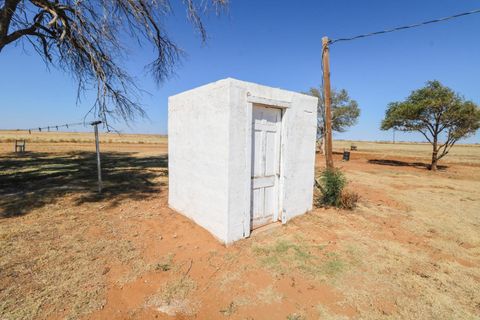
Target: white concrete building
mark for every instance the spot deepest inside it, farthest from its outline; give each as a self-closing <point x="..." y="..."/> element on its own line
<point x="240" y="155"/>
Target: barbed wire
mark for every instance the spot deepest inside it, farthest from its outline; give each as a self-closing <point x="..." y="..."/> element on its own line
<point x="54" y="127"/>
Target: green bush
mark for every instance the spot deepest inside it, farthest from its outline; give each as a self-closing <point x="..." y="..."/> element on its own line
<point x="331" y="184"/>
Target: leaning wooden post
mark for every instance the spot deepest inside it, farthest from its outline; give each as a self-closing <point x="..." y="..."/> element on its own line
<point x="97" y="147"/>
<point x="327" y="97"/>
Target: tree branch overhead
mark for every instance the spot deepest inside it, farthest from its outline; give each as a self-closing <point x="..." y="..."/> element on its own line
<point x="84" y="38"/>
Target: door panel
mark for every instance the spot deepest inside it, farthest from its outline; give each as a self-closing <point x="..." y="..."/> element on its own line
<point x="270" y="153"/>
<point x="265" y="164"/>
<point x="257" y="154"/>
<point x="263" y="182"/>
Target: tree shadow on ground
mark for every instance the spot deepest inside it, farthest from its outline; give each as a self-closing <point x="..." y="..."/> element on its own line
<point x="32" y="180"/>
<point x="397" y="163"/>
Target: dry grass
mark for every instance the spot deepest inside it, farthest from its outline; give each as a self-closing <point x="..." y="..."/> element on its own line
<point x="56" y="242"/>
<point x="229" y="310"/>
<point x="51" y="263"/>
<point x="409" y="250"/>
<point x="269" y="295"/>
<point x="175" y="297"/>
<point x="460" y="153"/>
<point x="425" y="254"/>
<point x="296" y="316"/>
<point x="79" y="137"/>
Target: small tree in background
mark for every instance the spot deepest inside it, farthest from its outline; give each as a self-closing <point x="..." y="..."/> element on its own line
<point x="345" y="112"/>
<point x="438" y="113"/>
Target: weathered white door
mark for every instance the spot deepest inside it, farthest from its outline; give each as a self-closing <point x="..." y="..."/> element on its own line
<point x="266" y="124"/>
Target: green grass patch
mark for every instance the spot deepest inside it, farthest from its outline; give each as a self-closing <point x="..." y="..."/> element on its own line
<point x="286" y="256"/>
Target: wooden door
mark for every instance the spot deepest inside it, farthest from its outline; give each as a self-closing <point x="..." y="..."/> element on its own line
<point x="266" y="124"/>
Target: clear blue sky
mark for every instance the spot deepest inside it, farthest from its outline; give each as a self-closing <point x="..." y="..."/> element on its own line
<point x="277" y="43"/>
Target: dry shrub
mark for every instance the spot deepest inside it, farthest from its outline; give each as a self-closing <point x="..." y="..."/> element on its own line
<point x="349" y="200"/>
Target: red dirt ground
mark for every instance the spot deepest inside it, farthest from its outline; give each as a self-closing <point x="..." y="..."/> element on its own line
<point x="387" y="259"/>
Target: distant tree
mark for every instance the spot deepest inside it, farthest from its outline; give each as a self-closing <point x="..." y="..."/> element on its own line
<point x="87" y="38"/>
<point x="438" y="113"/>
<point x="345" y="112"/>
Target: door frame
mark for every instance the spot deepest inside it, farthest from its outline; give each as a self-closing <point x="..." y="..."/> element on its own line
<point x="283" y="106"/>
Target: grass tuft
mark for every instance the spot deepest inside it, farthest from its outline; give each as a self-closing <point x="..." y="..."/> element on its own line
<point x="296" y="316"/>
<point x="166" y="264"/>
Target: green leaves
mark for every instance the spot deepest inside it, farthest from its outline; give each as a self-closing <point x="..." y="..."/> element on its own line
<point x="404" y="116"/>
<point x="438" y="113"/>
<point x="331" y="184"/>
<point x="433" y="109"/>
<point x="345" y="111"/>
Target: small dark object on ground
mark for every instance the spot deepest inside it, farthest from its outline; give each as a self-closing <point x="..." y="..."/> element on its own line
<point x="353" y="147"/>
<point x="346" y="155"/>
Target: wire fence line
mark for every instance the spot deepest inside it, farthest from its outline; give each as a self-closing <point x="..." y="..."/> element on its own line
<point x="66" y="125"/>
<point x="53" y="127"/>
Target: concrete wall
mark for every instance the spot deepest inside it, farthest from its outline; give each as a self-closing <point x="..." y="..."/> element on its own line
<point x="209" y="154"/>
<point x="300" y="156"/>
<point x="198" y="154"/>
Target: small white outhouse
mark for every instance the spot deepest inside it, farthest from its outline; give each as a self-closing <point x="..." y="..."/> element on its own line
<point x="240" y="155"/>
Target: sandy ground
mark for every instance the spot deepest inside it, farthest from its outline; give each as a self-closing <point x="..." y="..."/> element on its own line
<point x="411" y="250"/>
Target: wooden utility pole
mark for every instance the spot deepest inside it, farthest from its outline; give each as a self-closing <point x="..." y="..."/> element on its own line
<point x="97" y="147"/>
<point x="328" y="101"/>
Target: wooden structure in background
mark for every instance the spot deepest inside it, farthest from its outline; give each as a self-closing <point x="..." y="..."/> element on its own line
<point x="20" y="146"/>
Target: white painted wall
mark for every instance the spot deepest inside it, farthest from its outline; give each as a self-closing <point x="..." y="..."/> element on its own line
<point x="209" y="131"/>
<point x="198" y="156"/>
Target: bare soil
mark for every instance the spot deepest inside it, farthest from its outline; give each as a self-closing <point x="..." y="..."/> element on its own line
<point x="410" y="250"/>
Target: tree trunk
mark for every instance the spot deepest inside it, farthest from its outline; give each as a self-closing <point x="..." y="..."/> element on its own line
<point x="433" y="166"/>
<point x="6" y="15"/>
